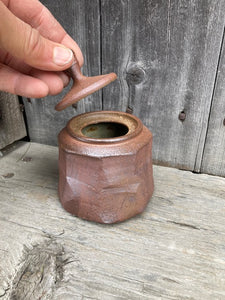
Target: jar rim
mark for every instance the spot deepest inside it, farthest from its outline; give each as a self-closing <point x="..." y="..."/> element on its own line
<point x="77" y="123"/>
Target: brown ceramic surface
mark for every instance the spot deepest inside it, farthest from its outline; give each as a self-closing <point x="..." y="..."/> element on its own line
<point x="82" y="85"/>
<point x="105" y="166"/>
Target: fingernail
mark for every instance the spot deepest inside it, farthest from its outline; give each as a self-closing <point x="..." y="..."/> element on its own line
<point x="62" y="56"/>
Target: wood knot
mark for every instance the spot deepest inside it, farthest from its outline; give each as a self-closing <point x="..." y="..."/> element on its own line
<point x="41" y="270"/>
<point x="135" y="75"/>
<point x="8" y="175"/>
<point x="27" y="159"/>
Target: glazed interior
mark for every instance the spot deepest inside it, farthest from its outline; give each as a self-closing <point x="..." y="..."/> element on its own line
<point x="105" y="130"/>
<point x="104" y="126"/>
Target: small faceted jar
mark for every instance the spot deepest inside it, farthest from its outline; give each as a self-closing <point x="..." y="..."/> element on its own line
<point x="105" y="166"/>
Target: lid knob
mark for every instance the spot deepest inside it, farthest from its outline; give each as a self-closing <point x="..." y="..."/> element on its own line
<point x="82" y="85"/>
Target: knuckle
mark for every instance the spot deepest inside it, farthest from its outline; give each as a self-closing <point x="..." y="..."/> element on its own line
<point x="32" y="43"/>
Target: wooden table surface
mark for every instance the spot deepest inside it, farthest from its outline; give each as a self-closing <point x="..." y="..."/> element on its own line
<point x="174" y="250"/>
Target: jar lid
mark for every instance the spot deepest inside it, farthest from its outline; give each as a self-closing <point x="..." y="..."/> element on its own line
<point x="82" y="85"/>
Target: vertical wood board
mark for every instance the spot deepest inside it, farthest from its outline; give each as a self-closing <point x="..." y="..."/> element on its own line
<point x="12" y="126"/>
<point x="214" y="152"/>
<point x="166" y="55"/>
<point x="81" y="20"/>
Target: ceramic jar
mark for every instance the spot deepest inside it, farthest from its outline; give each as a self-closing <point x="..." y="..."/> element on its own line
<point x="105" y="166"/>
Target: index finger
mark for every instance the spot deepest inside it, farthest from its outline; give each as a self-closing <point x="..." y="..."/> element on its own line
<point x="39" y="17"/>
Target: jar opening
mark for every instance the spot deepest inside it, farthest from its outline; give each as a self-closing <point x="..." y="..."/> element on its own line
<point x="103" y="130"/>
<point x="104" y="127"/>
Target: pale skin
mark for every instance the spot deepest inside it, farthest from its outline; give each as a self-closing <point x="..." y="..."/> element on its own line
<point x="34" y="50"/>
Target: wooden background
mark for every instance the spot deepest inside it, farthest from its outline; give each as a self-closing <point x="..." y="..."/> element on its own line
<point x="12" y="125"/>
<point x="169" y="57"/>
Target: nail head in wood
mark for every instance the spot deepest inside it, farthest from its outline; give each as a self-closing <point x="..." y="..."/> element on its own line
<point x="129" y="110"/>
<point x="182" y="116"/>
<point x="74" y="105"/>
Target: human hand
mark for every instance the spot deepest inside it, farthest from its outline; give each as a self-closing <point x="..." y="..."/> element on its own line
<point x="34" y="50"/>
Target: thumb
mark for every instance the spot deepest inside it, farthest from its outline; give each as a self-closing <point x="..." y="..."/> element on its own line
<point x="26" y="43"/>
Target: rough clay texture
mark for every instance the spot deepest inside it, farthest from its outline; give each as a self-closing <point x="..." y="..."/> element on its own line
<point x="109" y="188"/>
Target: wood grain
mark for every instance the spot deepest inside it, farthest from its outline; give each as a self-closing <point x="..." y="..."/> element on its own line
<point x="81" y="20"/>
<point x="214" y="152"/>
<point x="166" y="55"/>
<point x="12" y="126"/>
<point x="174" y="250"/>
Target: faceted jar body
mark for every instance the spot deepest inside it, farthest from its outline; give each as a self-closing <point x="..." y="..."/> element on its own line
<point x="105" y="166"/>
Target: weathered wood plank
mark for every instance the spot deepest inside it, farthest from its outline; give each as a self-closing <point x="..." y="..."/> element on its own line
<point x="81" y="20"/>
<point x="214" y="152"/>
<point x="166" y="55"/>
<point x="174" y="250"/>
<point x="12" y="126"/>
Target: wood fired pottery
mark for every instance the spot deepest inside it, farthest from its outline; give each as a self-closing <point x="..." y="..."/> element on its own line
<point x="105" y="166"/>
